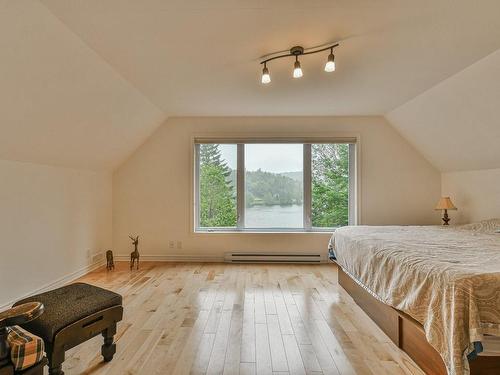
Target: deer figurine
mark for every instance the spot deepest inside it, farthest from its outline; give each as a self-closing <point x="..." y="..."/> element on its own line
<point x="134" y="255"/>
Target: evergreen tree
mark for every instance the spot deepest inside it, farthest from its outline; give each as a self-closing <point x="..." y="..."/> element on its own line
<point x="330" y="185"/>
<point x="217" y="197"/>
<point x="211" y="155"/>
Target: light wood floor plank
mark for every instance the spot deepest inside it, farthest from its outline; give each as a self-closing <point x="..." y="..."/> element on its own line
<point x="309" y="358"/>
<point x="217" y="359"/>
<point x="233" y="353"/>
<point x="247" y="368"/>
<point x="278" y="356"/>
<point x="293" y="355"/>
<point x="263" y="364"/>
<point x="248" y="329"/>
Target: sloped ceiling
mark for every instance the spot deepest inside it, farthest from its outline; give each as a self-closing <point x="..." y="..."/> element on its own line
<point x="83" y="83"/>
<point x="61" y="104"/>
<point x="199" y="57"/>
<point x="456" y="124"/>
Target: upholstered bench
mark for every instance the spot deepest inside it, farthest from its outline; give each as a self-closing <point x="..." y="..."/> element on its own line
<point x="74" y="314"/>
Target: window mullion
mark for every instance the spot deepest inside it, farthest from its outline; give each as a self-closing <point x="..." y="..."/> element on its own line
<point x="197" y="185"/>
<point x="307" y="181"/>
<point x="352" y="214"/>
<point x="240" y="186"/>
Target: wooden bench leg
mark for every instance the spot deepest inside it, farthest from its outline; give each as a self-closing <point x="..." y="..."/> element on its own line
<point x="56" y="359"/>
<point x="108" y="349"/>
<point x="57" y="370"/>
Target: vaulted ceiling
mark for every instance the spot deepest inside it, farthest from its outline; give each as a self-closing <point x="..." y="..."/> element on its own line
<point x="83" y="83"/>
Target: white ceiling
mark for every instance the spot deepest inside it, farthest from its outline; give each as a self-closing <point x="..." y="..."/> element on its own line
<point x="84" y="82"/>
<point x="200" y="57"/>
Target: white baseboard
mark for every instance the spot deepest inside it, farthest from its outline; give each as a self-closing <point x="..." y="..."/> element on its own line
<point x="172" y="258"/>
<point x="59" y="282"/>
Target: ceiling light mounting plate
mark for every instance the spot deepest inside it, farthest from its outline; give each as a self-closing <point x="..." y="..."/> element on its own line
<point x="297" y="51"/>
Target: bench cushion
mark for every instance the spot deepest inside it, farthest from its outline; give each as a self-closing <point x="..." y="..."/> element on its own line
<point x="66" y="305"/>
<point x="26" y="349"/>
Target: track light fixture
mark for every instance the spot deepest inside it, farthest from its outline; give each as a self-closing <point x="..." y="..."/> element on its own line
<point x="297" y="69"/>
<point x="266" y="78"/>
<point x="330" y="64"/>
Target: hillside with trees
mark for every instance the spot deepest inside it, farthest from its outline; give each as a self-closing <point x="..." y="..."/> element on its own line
<point x="269" y="189"/>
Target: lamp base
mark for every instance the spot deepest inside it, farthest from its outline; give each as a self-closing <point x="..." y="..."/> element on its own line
<point x="446" y="219"/>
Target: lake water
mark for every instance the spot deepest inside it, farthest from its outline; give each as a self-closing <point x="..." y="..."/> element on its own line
<point x="274" y="216"/>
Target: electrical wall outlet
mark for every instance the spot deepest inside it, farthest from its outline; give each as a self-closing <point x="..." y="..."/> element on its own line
<point x="171" y="244"/>
<point x="179" y="244"/>
<point x="97" y="257"/>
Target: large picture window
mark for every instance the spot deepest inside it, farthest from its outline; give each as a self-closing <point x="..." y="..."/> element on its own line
<point x="273" y="186"/>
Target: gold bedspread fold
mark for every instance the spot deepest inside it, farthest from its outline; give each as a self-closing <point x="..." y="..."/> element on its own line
<point x="448" y="279"/>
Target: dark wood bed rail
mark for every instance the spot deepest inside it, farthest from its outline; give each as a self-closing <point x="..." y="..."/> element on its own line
<point x="408" y="334"/>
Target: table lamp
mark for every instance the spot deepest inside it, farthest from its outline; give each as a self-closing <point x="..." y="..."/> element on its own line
<point x="445" y="204"/>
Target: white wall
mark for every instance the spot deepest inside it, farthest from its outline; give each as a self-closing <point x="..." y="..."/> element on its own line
<point x="475" y="193"/>
<point x="51" y="221"/>
<point x="152" y="190"/>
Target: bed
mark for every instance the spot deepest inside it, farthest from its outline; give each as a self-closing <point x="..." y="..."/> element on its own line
<point x="434" y="290"/>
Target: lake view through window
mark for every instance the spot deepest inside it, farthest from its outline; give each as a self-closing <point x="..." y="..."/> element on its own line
<point x="273" y="186"/>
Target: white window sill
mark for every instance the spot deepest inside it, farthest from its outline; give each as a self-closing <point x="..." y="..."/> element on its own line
<point x="263" y="231"/>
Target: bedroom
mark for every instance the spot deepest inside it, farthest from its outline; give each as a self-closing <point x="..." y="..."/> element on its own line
<point x="107" y="108"/>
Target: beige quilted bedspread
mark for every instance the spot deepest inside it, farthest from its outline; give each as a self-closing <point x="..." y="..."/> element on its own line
<point x="448" y="279"/>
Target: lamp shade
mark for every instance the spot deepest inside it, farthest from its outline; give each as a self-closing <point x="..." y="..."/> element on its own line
<point x="445" y="203"/>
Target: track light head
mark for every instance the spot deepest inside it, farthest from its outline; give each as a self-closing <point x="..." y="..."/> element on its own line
<point x="330" y="64"/>
<point x="297" y="70"/>
<point x="266" y="78"/>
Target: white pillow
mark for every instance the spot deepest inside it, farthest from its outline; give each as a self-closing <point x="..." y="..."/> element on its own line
<point x="489" y="226"/>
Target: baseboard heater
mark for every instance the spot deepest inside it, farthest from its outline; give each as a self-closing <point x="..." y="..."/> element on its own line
<point x="259" y="257"/>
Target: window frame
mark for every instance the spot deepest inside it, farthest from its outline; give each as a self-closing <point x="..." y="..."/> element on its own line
<point x="354" y="179"/>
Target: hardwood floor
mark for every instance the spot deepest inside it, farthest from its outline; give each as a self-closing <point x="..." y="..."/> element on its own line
<point x="206" y="318"/>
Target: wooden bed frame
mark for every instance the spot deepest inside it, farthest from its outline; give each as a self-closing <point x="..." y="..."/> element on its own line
<point x="408" y="334"/>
